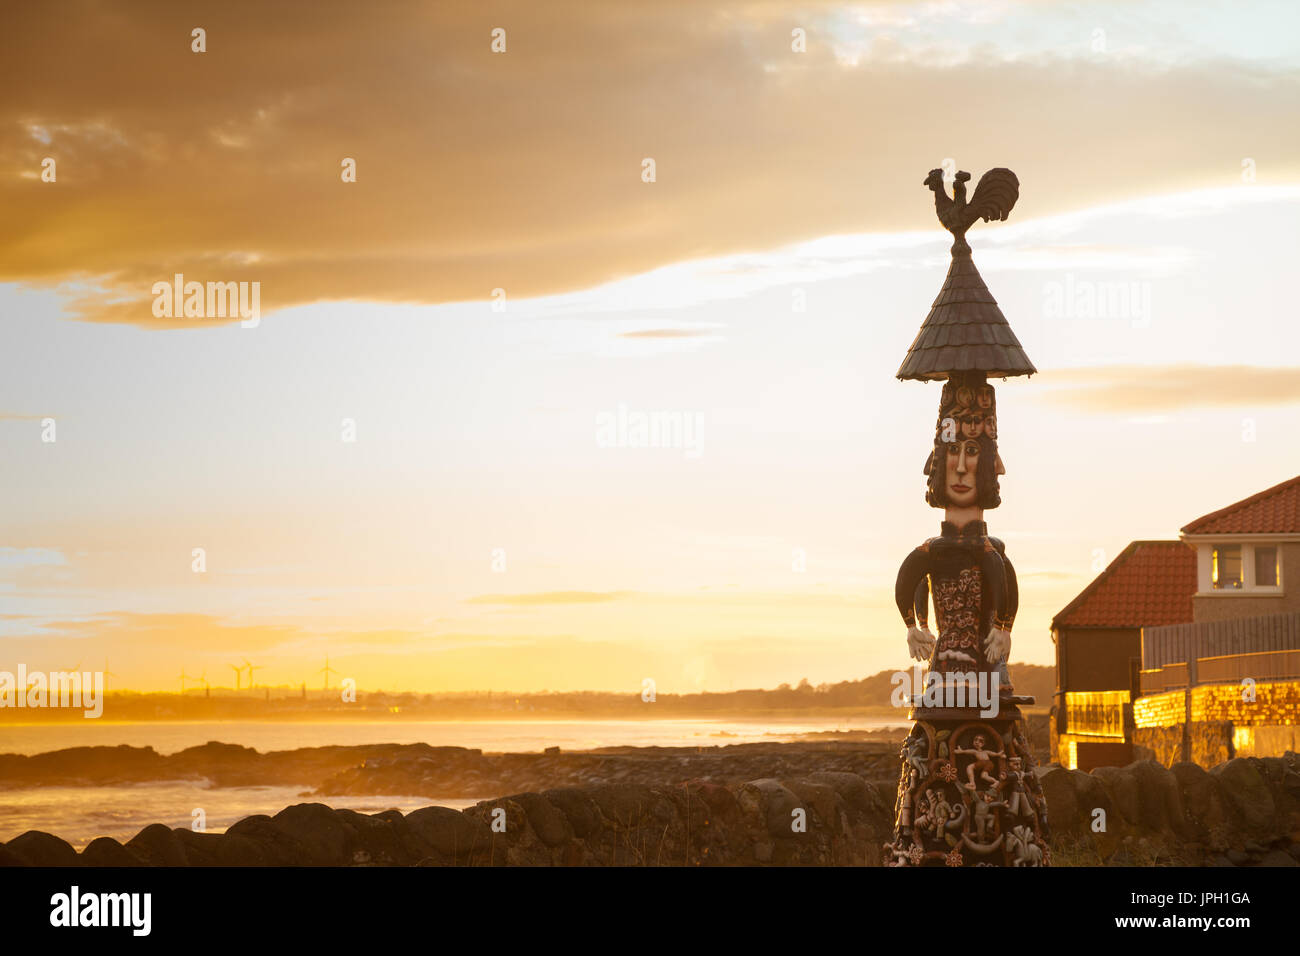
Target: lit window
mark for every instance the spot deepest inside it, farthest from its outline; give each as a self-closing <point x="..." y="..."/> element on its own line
<point x="1266" y="567"/>
<point x="1225" y="566"/>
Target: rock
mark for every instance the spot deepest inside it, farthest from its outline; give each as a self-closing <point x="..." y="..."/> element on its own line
<point x="449" y="832"/>
<point x="1246" y="792"/>
<point x="318" y="829"/>
<point x="1062" y="805"/>
<point x="547" y="820"/>
<point x="1272" y="769"/>
<point x="1238" y="857"/>
<point x="1160" y="800"/>
<point x="578" y="808"/>
<point x="200" y="848"/>
<point x="851" y="788"/>
<point x="773" y="804"/>
<point x="1291" y="783"/>
<point x="821" y="799"/>
<point x="157" y="845"/>
<point x="36" y="848"/>
<point x="105" y="851"/>
<point x="1122" y="786"/>
<point x="1278" y="858"/>
<point x="1203" y="803"/>
<point x="624" y="805"/>
<point x="263" y="843"/>
<point x="515" y="845"/>
<point x="384" y="838"/>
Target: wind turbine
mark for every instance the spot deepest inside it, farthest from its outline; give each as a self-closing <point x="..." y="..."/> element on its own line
<point x="107" y="673"/>
<point x="327" y="670"/>
<point x="251" y="668"/>
<point x="204" y="678"/>
<point x="183" y="678"/>
<point x="239" y="671"/>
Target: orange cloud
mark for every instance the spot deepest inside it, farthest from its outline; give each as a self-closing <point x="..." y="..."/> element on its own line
<point x="1167" y="388"/>
<point x="522" y="170"/>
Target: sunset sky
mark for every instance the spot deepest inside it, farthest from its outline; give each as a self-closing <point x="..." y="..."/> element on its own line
<point x="1159" y="159"/>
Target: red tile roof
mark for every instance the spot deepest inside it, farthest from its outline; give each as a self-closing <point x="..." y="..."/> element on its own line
<point x="1275" y="510"/>
<point x="1151" y="583"/>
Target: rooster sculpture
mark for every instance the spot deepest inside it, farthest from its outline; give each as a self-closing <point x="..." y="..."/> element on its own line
<point x="995" y="196"/>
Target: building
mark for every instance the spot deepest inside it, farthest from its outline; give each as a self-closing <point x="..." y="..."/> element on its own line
<point x="1098" y="639"/>
<point x="1241" y="554"/>
<point x="1189" y="649"/>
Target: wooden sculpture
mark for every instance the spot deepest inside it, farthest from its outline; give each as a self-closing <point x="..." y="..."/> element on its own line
<point x="967" y="794"/>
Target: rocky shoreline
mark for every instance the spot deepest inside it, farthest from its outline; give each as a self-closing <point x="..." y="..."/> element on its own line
<point x="1245" y="812"/>
<point x="447" y="772"/>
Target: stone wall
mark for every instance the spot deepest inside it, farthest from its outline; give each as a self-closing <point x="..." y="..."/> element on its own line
<point x="1245" y="811"/>
<point x="1224" y="722"/>
<point x="1275" y="703"/>
<point x="1212" y="743"/>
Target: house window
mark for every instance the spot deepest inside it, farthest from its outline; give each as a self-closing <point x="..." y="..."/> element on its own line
<point x="1225" y="567"/>
<point x="1265" y="567"/>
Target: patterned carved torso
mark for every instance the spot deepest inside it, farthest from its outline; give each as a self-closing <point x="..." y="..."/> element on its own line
<point x="957" y="610"/>
<point x="974" y="589"/>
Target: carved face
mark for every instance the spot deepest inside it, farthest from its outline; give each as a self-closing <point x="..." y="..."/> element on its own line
<point x="967" y="410"/>
<point x="963" y="459"/>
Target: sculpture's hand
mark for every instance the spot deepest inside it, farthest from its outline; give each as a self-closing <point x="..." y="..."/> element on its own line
<point x="997" y="645"/>
<point x="920" y="643"/>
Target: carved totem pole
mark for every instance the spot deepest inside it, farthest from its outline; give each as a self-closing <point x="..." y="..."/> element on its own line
<point x="967" y="793"/>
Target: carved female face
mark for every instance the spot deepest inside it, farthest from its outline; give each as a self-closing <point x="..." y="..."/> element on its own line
<point x="991" y="427"/>
<point x="972" y="424"/>
<point x="963" y="459"/>
<point x="985" y="397"/>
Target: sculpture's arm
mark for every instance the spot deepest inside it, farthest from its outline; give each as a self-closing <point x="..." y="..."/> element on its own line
<point x="920" y="643"/>
<point x="921" y="602"/>
<point x="914" y="567"/>
<point x="1013" y="590"/>
<point x="993" y="565"/>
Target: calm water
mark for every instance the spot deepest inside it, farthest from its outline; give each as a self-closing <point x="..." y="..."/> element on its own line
<point x="79" y="814"/>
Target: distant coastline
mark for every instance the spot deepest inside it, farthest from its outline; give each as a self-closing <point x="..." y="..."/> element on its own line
<point x="866" y="698"/>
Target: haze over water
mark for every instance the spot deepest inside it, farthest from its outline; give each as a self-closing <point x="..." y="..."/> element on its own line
<point x="487" y="735"/>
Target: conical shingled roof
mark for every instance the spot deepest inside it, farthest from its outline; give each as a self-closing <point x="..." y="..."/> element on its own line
<point x="965" y="331"/>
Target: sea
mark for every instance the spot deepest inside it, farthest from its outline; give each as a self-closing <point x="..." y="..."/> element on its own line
<point x="80" y="814"/>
